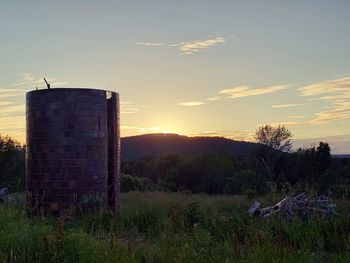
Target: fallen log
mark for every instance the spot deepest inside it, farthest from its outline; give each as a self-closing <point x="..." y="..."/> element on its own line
<point x="298" y="206"/>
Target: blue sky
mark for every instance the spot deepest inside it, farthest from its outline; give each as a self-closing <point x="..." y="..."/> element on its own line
<point x="189" y="67"/>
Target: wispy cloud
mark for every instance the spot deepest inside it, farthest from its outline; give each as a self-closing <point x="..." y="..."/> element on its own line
<point x="10" y="93"/>
<point x="288" y="123"/>
<point x="206" y="133"/>
<point x="29" y="80"/>
<point x="129" y="110"/>
<point x="240" y="135"/>
<point x="188" y="47"/>
<point x="151" y="129"/>
<point x="213" y="98"/>
<point x="334" y="92"/>
<point x="179" y="44"/>
<point x="297" y="117"/>
<point x="128" y="127"/>
<point x="245" y="91"/>
<point x="6" y="110"/>
<point x="239" y="92"/>
<point x="140" y="130"/>
<point x="149" y="44"/>
<point x="191" y="103"/>
<point x="285" y="105"/>
<point x="126" y="102"/>
<point x="333" y="87"/>
<point x="5" y="103"/>
<point x="340" y="111"/>
<point x="12" y="104"/>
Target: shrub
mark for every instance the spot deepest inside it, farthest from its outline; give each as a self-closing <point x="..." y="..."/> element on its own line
<point x="193" y="214"/>
<point x="133" y="183"/>
<point x="340" y="191"/>
<point x="246" y="180"/>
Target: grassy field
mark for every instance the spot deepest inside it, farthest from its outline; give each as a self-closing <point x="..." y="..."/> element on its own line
<point x="175" y="227"/>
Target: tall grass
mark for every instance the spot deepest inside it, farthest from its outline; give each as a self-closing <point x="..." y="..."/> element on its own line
<point x="174" y="227"/>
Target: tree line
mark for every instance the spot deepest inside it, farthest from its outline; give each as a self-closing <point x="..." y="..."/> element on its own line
<point x="274" y="167"/>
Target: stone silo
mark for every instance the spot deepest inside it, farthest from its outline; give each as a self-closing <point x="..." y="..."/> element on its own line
<point x="73" y="150"/>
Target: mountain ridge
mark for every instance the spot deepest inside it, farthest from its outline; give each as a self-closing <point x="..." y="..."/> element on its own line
<point x="159" y="144"/>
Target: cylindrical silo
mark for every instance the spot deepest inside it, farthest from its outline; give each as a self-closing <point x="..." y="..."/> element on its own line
<point x="68" y="149"/>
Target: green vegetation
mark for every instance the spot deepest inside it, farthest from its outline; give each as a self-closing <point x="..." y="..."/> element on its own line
<point x="182" y="224"/>
<point x="306" y="169"/>
<point x="11" y="164"/>
<point x="175" y="227"/>
<point x="270" y="169"/>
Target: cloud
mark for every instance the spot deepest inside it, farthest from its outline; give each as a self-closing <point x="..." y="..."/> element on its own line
<point x="297" y="117"/>
<point x="190" y="47"/>
<point x="239" y="92"/>
<point x="6" y="110"/>
<point x="240" y="135"/>
<point x="285" y="105"/>
<point x="12" y="103"/>
<point x="126" y="102"/>
<point x="213" y="98"/>
<point x="190" y="103"/>
<point x="288" y="123"/>
<point x="206" y="133"/>
<point x="245" y="91"/>
<point x="334" y="87"/>
<point x="9" y="93"/>
<point x="151" y="129"/>
<point x="5" y="103"/>
<point x="25" y="78"/>
<point x="340" y="111"/>
<point x="129" y="110"/>
<point x="336" y="93"/>
<point x="29" y="80"/>
<point x="127" y="127"/>
<point x="149" y="44"/>
<point x="179" y="44"/>
<point x="133" y="130"/>
<point x="140" y="129"/>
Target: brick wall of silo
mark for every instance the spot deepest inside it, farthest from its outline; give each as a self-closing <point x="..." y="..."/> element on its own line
<point x="113" y="121"/>
<point x="67" y="149"/>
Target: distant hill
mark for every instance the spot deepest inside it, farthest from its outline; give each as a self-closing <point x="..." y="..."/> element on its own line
<point x="155" y="145"/>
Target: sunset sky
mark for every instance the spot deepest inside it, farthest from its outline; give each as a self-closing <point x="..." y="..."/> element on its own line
<point x="190" y="67"/>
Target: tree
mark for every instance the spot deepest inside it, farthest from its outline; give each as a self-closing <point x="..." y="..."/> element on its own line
<point x="277" y="138"/>
<point x="274" y="141"/>
<point x="11" y="163"/>
<point x="323" y="157"/>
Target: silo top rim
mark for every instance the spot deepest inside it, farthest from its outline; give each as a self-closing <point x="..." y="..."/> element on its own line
<point x="70" y="90"/>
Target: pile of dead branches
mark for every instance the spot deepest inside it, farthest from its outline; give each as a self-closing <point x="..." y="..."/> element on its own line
<point x="298" y="206"/>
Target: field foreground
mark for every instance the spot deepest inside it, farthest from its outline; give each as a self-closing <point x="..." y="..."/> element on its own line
<point x="175" y="227"/>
